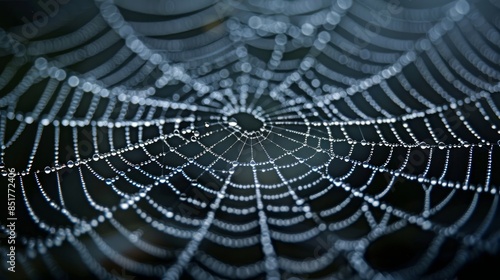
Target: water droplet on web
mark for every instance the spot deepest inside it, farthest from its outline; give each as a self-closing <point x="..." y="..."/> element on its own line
<point x="183" y="197"/>
<point x="70" y="164"/>
<point x="47" y="169"/>
<point x="95" y="157"/>
<point x="252" y="162"/>
<point x="441" y="145"/>
<point x="232" y="122"/>
<point x="426" y="225"/>
<point x="423" y="145"/>
<point x="433" y="181"/>
<point x="109" y="181"/>
<point x="133" y="238"/>
<point x="124" y="205"/>
<point x="322" y="227"/>
<point x="420" y="178"/>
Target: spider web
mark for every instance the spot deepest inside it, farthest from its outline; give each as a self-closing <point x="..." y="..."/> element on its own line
<point x="259" y="139"/>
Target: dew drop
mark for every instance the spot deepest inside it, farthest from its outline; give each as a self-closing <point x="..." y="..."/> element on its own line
<point x="441" y="145"/>
<point x="133" y="238"/>
<point x="433" y="181"/>
<point x="322" y="227"/>
<point x="420" y="178"/>
<point x="124" y="205"/>
<point x="232" y="122"/>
